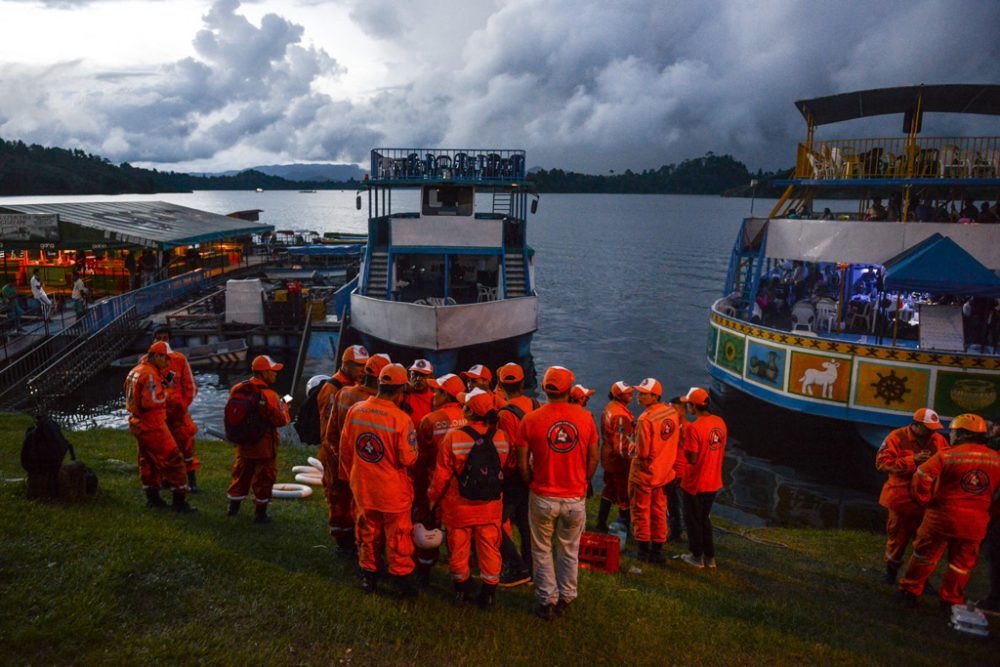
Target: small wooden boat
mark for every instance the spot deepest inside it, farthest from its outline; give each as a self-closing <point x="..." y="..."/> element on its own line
<point x="223" y="353"/>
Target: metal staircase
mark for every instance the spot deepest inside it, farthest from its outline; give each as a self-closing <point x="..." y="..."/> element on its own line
<point x="378" y="274"/>
<point x="515" y="279"/>
<point x="745" y="267"/>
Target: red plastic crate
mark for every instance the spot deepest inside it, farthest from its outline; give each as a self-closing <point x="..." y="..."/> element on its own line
<point x="599" y="552"/>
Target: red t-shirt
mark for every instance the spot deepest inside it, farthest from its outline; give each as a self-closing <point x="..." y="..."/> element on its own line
<point x="558" y="436"/>
<point x="706" y="437"/>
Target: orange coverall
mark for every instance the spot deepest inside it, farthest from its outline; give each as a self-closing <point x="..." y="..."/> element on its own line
<point x="179" y="398"/>
<point x="895" y="457"/>
<point x="467" y="520"/>
<point x="430" y="433"/>
<point x="146" y="401"/>
<point x="256" y="465"/>
<point x="657" y="434"/>
<point x="616" y="437"/>
<point x="379" y="444"/>
<point x="418" y="404"/>
<point x="957" y="486"/>
<point x="326" y="401"/>
<point x="336" y="486"/>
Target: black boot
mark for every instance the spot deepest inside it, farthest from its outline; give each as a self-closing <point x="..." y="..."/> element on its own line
<point x="234" y="507"/>
<point x="346" y="546"/>
<point x="656" y="553"/>
<point x="645" y="555"/>
<point x="154" y="501"/>
<point x="626" y="517"/>
<point x="487" y="596"/>
<point x="404" y="587"/>
<point x="260" y="515"/>
<point x="193" y="483"/>
<point x="180" y="504"/>
<point x="461" y="593"/>
<point x="369" y="581"/>
<point x="602" y="516"/>
<point x="423" y="574"/>
<point x="891" y="569"/>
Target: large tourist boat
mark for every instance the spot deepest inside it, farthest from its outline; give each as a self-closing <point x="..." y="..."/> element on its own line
<point x="449" y="277"/>
<point x="870" y="290"/>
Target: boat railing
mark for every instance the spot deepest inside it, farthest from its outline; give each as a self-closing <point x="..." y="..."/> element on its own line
<point x="473" y="165"/>
<point x="897" y="157"/>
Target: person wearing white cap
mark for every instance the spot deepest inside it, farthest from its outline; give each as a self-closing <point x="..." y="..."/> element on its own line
<point x="902" y="451"/>
<point x="417" y="396"/>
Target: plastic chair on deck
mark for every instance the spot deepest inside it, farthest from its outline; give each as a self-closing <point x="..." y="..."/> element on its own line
<point x="826" y="315"/>
<point x="803" y="316"/>
<point x="862" y="315"/>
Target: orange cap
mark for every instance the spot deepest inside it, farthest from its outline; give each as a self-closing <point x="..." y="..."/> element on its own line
<point x="423" y="367"/>
<point x="579" y="392"/>
<point x="557" y="379"/>
<point x="159" y="347"/>
<point x="620" y="388"/>
<point x="930" y="419"/>
<point x="392" y="374"/>
<point x="479" y="401"/>
<point x="450" y="384"/>
<point x="356" y="353"/>
<point x="967" y="422"/>
<point x="650" y="386"/>
<point x="376" y="363"/>
<point x="265" y="363"/>
<point x="695" y="396"/>
<point x="479" y="372"/>
<point x="510" y="372"/>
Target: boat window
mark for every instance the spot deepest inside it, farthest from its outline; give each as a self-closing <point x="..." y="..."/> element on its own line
<point x="448" y="200"/>
<point x="473" y="278"/>
<point x="418" y="276"/>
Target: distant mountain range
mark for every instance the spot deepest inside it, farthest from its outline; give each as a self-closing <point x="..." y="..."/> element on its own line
<point x="316" y="173"/>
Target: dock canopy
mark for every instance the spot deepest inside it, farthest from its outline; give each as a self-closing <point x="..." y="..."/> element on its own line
<point x="940" y="266"/>
<point x="151" y="224"/>
<point x="954" y="98"/>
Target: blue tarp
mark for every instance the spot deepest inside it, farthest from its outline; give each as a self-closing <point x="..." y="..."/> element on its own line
<point x="940" y="266"/>
<point x="327" y="249"/>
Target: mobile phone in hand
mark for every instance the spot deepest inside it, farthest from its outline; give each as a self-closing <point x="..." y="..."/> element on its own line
<point x="287" y="398"/>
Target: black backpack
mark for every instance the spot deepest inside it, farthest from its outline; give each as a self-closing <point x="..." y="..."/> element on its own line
<point x="244" y="422"/>
<point x="518" y="412"/>
<point x="482" y="477"/>
<point x="307" y="421"/>
<point x="44" y="447"/>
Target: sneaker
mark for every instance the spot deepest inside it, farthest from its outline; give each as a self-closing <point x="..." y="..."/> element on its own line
<point x="510" y="578"/>
<point x="546" y="612"/>
<point x="710" y="563"/>
<point x="562" y="607"/>
<point x="989" y="606"/>
<point x="692" y="560"/>
<point x="906" y="599"/>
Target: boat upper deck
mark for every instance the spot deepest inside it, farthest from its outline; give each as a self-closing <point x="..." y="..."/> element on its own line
<point x="413" y="167"/>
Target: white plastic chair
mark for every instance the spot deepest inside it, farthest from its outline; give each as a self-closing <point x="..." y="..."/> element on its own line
<point x="826" y="315"/>
<point x="864" y="315"/>
<point x="803" y="316"/>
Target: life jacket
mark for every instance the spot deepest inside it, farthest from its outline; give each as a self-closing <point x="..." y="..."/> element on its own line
<point x="244" y="420"/>
<point x="482" y="476"/>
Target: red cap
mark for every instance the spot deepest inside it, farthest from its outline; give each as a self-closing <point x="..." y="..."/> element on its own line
<point x="423" y="367"/>
<point x="393" y="374"/>
<point x="558" y="379"/>
<point x="510" y="372"/>
<point x="159" y="347"/>
<point x="695" y="396"/>
<point x="928" y="418"/>
<point x="650" y="386"/>
<point x="265" y="363"/>
<point x="356" y="353"/>
<point x="450" y="384"/>
<point x="579" y="392"/>
<point x="479" y="372"/>
<point x="376" y="363"/>
<point x="479" y="401"/>
<point x="620" y="388"/>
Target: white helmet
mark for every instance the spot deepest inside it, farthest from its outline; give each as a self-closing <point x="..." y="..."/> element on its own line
<point x="315" y="380"/>
<point x="427" y="539"/>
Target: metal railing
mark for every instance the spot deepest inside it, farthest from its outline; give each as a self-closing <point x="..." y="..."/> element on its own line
<point x="928" y="157"/>
<point x="453" y="164"/>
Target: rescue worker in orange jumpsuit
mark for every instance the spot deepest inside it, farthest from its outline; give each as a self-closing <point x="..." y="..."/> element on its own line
<point x="181" y="390"/>
<point x="336" y="484"/>
<point x="352" y="367"/>
<point x="256" y="465"/>
<point x="902" y="451"/>
<point x="704" y="449"/>
<point x="516" y="565"/>
<point x="418" y="395"/>
<point x="957" y="486"/>
<point x="378" y="446"/>
<point x="448" y="414"/>
<point x="160" y="461"/>
<point x="616" y="442"/>
<point x="467" y="521"/>
<point x="580" y="395"/>
<point x="657" y="434"/>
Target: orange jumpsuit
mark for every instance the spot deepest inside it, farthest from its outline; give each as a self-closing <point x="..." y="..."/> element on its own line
<point x="616" y="435"/>
<point x="467" y="520"/>
<point x="417" y="404"/>
<point x="256" y="465"/>
<point x="895" y="457"/>
<point x="179" y="398"/>
<point x="430" y="433"/>
<point x="326" y="400"/>
<point x="146" y="401"/>
<point x="336" y="486"/>
<point x="957" y="486"/>
<point x="379" y="445"/>
<point x="657" y="434"/>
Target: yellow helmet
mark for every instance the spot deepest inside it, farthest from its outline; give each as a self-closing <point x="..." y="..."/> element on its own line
<point x="969" y="422"/>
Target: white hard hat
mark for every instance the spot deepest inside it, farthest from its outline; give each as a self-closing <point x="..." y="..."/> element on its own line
<point x="315" y="380"/>
<point x="427" y="539"/>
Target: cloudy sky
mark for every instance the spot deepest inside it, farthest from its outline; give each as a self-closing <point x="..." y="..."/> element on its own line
<point x="589" y="85"/>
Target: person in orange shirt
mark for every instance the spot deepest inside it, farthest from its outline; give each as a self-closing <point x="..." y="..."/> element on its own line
<point x="351" y="371"/>
<point x="477" y="377"/>
<point x="516" y="565"/>
<point x="557" y="456"/>
<point x="704" y="448"/>
<point x="580" y="395"/>
<point x="675" y="507"/>
<point x="181" y="391"/>
<point x="470" y="499"/>
<point x="448" y="414"/>
<point x="958" y="487"/>
<point x="901" y="452"/>
<point x="256" y="465"/>
<point x="657" y="432"/>
<point x="378" y="446"/>
<point x="160" y="461"/>
<point x="616" y="442"/>
<point x="418" y="396"/>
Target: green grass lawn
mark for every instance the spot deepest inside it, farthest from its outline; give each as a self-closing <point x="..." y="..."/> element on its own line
<point x="108" y="581"/>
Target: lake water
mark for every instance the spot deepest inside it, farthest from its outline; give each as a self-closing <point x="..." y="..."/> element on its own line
<point x="625" y="283"/>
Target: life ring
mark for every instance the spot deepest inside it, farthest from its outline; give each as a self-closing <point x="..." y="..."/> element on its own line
<point x="307" y="470"/>
<point x="315" y="463"/>
<point x="312" y="480"/>
<point x="290" y="491"/>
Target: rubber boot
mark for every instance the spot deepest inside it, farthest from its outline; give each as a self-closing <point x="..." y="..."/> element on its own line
<point x="461" y="592"/>
<point x="891" y="569"/>
<point x="346" y="546"/>
<point x="193" y="483"/>
<point x="602" y="516"/>
<point x="234" y="507"/>
<point x="154" y="501"/>
<point x="487" y="596"/>
<point x="423" y="575"/>
<point x="260" y="514"/>
<point x="369" y="581"/>
<point x="404" y="587"/>
<point x="644" y="553"/>
<point x="626" y="516"/>
<point x="656" y="553"/>
<point x="180" y="504"/>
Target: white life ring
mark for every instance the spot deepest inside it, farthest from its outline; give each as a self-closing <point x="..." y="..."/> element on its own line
<point x="312" y="480"/>
<point x="307" y="470"/>
<point x="290" y="491"/>
<point x="315" y="463"/>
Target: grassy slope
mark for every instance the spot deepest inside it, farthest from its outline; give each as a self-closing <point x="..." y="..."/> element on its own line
<point x="111" y="581"/>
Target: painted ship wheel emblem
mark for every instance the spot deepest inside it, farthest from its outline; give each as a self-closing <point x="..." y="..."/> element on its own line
<point x="891" y="388"/>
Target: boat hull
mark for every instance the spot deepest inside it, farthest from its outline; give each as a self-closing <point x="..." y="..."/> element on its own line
<point x="493" y="354"/>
